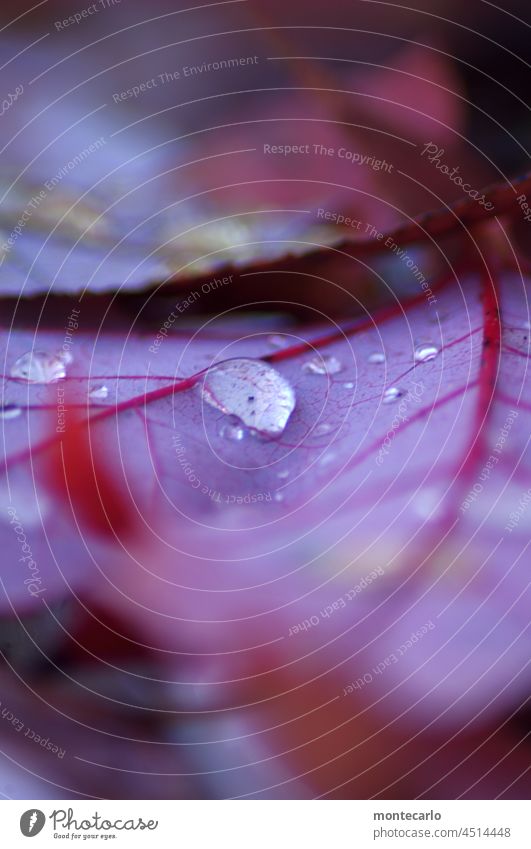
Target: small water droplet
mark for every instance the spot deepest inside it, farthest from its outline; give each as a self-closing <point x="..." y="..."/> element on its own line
<point x="348" y="385"/>
<point x="232" y="430"/>
<point x="323" y="365"/>
<point x="427" y="503"/>
<point x="376" y="357"/>
<point x="39" y="367"/>
<point x="66" y="357"/>
<point x="322" y="428"/>
<point x="278" y="341"/>
<point x="425" y="352"/>
<point x="99" y="392"/>
<point x="283" y="474"/>
<point x="252" y="391"/>
<point x="327" y="458"/>
<point x="392" y="394"/>
<point x="278" y="496"/>
<point x="10" y="411"/>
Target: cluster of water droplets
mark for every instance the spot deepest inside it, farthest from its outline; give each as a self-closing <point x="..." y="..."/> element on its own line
<point x="44" y="367"/>
<point x="323" y="365"/>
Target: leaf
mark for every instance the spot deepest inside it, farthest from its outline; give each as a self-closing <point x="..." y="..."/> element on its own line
<point x="368" y="547"/>
<point x="332" y="608"/>
<point x="97" y="199"/>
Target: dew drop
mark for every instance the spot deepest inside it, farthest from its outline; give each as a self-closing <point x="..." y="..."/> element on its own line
<point x="10" y="411"/>
<point x="427" y="503"/>
<point x="99" y="392"/>
<point x="322" y="428"/>
<point x="252" y="391"/>
<point x="376" y="357"/>
<point x="39" y="367"/>
<point x="392" y="394"/>
<point x="282" y="475"/>
<point x="323" y="365"/>
<point x="278" y="496"/>
<point x="425" y="352"/>
<point x="327" y="458"/>
<point x="232" y="430"/>
<point x="348" y="385"/>
<point x="66" y="357"/>
<point x="278" y="341"/>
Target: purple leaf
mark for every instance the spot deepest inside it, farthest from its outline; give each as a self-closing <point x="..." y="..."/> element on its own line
<point x="412" y="465"/>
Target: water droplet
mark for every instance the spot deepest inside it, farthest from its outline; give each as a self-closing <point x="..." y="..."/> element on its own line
<point x="327" y="458"/>
<point x="376" y="357"/>
<point x="427" y="503"/>
<point x="278" y="496"/>
<point x="322" y="428"/>
<point x="66" y="357"/>
<point x="348" y="385"/>
<point x="10" y="411"/>
<point x="253" y="391"/>
<point x="392" y="394"/>
<point x="425" y="352"/>
<point x="323" y="365"/>
<point x="100" y="392"/>
<point x="232" y="430"/>
<point x="283" y="474"/>
<point x="278" y="341"/>
<point x="39" y="367"/>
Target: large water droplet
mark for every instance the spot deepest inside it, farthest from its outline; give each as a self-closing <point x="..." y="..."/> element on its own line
<point x="376" y="357"/>
<point x="251" y="390"/>
<point x="39" y="367"/>
<point x="392" y="394"/>
<point x="323" y="365"/>
<point x="425" y="352"/>
<point x="99" y="393"/>
<point x="10" y="411"/>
